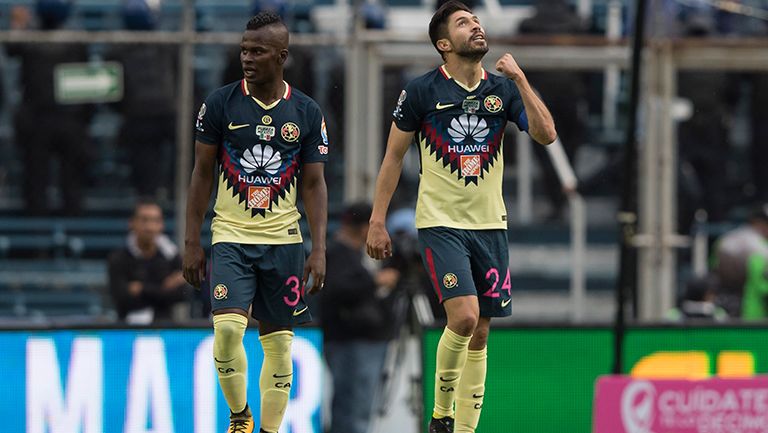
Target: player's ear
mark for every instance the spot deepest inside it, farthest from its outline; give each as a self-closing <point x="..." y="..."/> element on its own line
<point x="283" y="56"/>
<point x="444" y="45"/>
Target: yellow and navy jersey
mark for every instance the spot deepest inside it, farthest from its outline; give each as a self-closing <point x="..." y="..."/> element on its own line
<point x="261" y="149"/>
<point x="459" y="133"/>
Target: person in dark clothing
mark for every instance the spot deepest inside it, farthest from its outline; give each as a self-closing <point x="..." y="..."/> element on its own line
<point x="145" y="277"/>
<point x="356" y="322"/>
<point x="148" y="131"/>
<point x="564" y="91"/>
<point x="45" y="127"/>
<point x="698" y="302"/>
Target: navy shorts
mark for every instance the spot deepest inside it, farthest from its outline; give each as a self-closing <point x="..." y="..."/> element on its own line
<point x="266" y="277"/>
<point x="469" y="262"/>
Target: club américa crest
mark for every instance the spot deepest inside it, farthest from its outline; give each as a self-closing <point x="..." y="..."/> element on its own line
<point x="450" y="280"/>
<point x="220" y="292"/>
<point x="290" y="132"/>
<point x="492" y="103"/>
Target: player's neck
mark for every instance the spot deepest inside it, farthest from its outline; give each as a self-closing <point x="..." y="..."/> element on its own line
<point x="468" y="73"/>
<point x="267" y="93"/>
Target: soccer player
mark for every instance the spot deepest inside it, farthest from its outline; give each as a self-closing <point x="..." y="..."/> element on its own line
<point x="262" y="134"/>
<point x="459" y="112"/>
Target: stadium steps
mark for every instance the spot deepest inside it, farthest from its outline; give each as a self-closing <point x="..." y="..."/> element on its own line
<point x="85" y="237"/>
<point x="540" y="255"/>
<point x="43" y="288"/>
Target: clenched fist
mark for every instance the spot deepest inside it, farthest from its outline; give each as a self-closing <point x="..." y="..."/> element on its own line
<point x="509" y="67"/>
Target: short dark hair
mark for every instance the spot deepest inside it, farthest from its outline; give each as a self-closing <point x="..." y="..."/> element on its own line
<point x="263" y="19"/>
<point x="145" y="201"/>
<point x="356" y="214"/>
<point x="438" y="26"/>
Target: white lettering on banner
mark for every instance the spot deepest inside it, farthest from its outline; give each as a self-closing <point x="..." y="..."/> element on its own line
<point x="53" y="410"/>
<point x="205" y="385"/>
<point x="306" y="401"/>
<point x="148" y="385"/>
<point x="710" y="400"/>
<point x="70" y="398"/>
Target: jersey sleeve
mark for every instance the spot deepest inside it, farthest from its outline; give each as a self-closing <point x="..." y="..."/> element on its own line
<point x="516" y="110"/>
<point x="315" y="147"/>
<point x="208" y="124"/>
<point x="408" y="113"/>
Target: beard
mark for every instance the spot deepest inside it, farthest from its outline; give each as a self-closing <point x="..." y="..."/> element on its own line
<point x="475" y="54"/>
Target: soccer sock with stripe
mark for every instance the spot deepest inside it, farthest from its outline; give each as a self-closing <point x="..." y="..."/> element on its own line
<point x="276" y="378"/>
<point x="469" y="394"/>
<point x="451" y="357"/>
<point x="229" y="358"/>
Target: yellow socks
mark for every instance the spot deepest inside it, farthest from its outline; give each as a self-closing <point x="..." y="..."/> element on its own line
<point x="229" y="358"/>
<point x="469" y="394"/>
<point x="451" y="357"/>
<point x="276" y="378"/>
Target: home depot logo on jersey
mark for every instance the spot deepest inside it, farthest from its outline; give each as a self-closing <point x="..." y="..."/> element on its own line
<point x="258" y="197"/>
<point x="470" y="165"/>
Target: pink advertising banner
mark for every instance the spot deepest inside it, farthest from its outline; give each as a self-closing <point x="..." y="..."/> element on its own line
<point x="627" y="405"/>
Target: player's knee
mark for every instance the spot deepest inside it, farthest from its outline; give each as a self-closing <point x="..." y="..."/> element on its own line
<point x="228" y="331"/>
<point x="463" y="322"/>
<point x="277" y="344"/>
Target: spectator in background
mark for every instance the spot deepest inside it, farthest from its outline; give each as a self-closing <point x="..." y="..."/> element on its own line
<point x="698" y="302"/>
<point x="145" y="277"/>
<point x="740" y="263"/>
<point x="564" y="91"/>
<point x="47" y="127"/>
<point x="148" y="131"/>
<point x="356" y="322"/>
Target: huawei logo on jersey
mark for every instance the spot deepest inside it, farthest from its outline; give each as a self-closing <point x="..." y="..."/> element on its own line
<point x="262" y="157"/>
<point x="468" y="145"/>
<point x="468" y="125"/>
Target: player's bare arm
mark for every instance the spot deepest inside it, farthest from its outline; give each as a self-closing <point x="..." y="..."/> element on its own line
<point x="200" y="187"/>
<point x="314" y="193"/>
<point x="541" y="126"/>
<point x="379" y="245"/>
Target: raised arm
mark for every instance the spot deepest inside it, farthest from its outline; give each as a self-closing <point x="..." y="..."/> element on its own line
<point x="200" y="187"/>
<point x="541" y="126"/>
<point x="314" y="193"/>
<point x="379" y="245"/>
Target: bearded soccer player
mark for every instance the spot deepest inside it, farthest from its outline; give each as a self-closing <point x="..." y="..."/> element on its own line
<point x="458" y="113"/>
<point x="261" y="133"/>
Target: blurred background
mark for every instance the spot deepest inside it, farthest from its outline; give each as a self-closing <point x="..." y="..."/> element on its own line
<point x="658" y="243"/>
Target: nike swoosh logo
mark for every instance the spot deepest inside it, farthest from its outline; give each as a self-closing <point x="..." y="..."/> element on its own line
<point x="450" y="379"/>
<point x="279" y="376"/>
<point x="440" y="106"/>
<point x="477" y="396"/>
<point x="223" y="362"/>
<point x="505" y="302"/>
<point x="232" y="126"/>
<point x="298" y="312"/>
